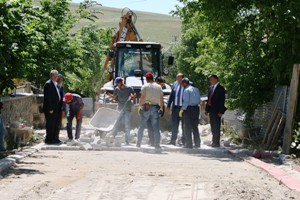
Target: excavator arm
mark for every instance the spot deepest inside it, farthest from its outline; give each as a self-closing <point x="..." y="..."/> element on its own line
<point x="126" y="32"/>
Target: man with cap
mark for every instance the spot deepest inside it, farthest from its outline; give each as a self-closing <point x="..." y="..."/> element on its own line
<point x="175" y="99"/>
<point x="123" y="95"/>
<point x="190" y="114"/>
<point x="62" y="105"/>
<point x="51" y="107"/>
<point x="150" y="107"/>
<point x="162" y="82"/>
<point x="75" y="110"/>
<point x="2" y="130"/>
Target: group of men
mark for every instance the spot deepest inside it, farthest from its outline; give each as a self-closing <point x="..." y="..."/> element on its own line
<point x="185" y="100"/>
<point x="183" y="104"/>
<point x="54" y="108"/>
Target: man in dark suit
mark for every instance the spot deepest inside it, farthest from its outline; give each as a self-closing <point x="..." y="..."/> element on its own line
<point x="175" y="100"/>
<point x="51" y="108"/>
<point x="216" y="108"/>
<point x="62" y="106"/>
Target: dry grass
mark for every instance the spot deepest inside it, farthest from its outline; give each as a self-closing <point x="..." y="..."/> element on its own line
<point x="151" y="26"/>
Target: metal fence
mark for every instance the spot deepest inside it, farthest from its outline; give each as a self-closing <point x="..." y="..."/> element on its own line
<point x="262" y="115"/>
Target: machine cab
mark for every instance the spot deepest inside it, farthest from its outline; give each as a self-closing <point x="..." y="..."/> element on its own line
<point x="132" y="60"/>
<point x="135" y="59"/>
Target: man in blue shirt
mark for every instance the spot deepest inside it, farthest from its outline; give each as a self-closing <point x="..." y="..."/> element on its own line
<point x="123" y="95"/>
<point x="190" y="114"/>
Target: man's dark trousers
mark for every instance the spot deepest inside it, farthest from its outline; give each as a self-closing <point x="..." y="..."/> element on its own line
<point x="215" y="124"/>
<point x="70" y="117"/>
<point x="191" y="121"/>
<point x="52" y="125"/>
<point x="175" y="122"/>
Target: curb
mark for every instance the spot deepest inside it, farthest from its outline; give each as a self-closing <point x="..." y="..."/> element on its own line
<point x="145" y="149"/>
<point x="279" y="174"/>
<point x="11" y="160"/>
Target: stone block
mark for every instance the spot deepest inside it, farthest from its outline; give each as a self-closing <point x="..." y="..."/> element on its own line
<point x="39" y="99"/>
<point x="89" y="134"/>
<point x="227" y="143"/>
<point x="118" y="141"/>
<point x="36" y="117"/>
<point x="86" y="147"/>
<point x="54" y="147"/>
<point x="34" y="108"/>
<point x="109" y="140"/>
<point x="97" y="140"/>
<point x="24" y="133"/>
<point x="97" y="147"/>
<point x="86" y="139"/>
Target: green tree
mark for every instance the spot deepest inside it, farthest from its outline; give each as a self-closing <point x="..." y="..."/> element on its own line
<point x="36" y="39"/>
<point x="252" y="45"/>
<point x="87" y="76"/>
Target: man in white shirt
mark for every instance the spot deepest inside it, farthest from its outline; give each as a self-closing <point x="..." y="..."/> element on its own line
<point x="150" y="107"/>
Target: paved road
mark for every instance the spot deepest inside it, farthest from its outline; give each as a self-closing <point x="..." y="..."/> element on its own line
<point x="122" y="175"/>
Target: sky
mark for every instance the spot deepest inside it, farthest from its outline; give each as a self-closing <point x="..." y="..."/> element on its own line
<point x="156" y="6"/>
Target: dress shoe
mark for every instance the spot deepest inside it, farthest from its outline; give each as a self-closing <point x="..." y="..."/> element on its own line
<point x="48" y="142"/>
<point x="172" y="143"/>
<point x="213" y="145"/>
<point x="57" y="142"/>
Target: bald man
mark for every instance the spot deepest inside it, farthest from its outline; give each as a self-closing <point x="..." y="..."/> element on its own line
<point x="51" y="108"/>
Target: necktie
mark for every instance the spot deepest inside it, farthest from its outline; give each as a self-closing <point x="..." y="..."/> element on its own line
<point x="179" y="95"/>
<point x="210" y="95"/>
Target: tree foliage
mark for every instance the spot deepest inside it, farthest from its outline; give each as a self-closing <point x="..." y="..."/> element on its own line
<point x="35" y="38"/>
<point x="252" y="45"/>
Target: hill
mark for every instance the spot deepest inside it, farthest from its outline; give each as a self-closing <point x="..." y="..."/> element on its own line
<point x="151" y="26"/>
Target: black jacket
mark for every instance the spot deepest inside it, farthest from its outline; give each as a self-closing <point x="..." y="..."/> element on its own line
<point x="217" y="101"/>
<point x="172" y="95"/>
<point x="51" y="98"/>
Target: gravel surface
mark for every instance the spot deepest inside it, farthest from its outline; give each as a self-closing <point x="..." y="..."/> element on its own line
<point x="109" y="175"/>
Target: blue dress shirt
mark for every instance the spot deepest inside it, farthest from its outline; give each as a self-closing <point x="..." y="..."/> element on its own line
<point x="191" y="97"/>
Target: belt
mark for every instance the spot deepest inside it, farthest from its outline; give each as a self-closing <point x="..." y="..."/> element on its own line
<point x="150" y="104"/>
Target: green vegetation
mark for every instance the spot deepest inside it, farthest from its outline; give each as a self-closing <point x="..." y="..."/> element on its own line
<point x="251" y="45"/>
<point x="37" y="36"/>
<point x="296" y="141"/>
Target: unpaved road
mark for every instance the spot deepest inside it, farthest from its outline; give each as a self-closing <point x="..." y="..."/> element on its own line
<point x="108" y="175"/>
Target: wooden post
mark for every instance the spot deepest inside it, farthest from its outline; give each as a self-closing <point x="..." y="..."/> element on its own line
<point x="291" y="110"/>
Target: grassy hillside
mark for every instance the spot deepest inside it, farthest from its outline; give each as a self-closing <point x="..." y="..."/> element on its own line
<point x="151" y="26"/>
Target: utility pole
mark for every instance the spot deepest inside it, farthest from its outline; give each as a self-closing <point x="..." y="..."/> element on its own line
<point x="291" y="110"/>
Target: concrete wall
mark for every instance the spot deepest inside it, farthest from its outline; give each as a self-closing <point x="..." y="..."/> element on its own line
<point x="88" y="107"/>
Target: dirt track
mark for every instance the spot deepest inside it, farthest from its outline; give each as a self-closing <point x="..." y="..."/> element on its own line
<point x="136" y="175"/>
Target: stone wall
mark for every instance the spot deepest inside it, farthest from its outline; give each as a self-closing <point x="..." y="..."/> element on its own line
<point x="27" y="109"/>
<point x="23" y="109"/>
